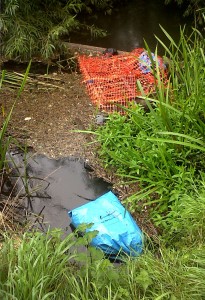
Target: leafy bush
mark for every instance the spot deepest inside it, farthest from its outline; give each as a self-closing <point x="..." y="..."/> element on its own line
<point x="35" y="28"/>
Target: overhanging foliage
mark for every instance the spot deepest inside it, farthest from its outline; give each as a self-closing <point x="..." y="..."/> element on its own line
<point x="35" y="28"/>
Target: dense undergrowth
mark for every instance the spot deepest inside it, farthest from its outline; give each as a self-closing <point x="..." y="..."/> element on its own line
<point x="35" y="266"/>
<point x="162" y="149"/>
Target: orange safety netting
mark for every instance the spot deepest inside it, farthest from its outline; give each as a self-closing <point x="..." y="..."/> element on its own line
<point x="113" y="80"/>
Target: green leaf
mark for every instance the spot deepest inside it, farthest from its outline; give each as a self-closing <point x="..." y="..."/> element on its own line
<point x="143" y="279"/>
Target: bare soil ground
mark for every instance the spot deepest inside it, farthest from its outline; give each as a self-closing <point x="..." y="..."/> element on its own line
<point x="47" y="120"/>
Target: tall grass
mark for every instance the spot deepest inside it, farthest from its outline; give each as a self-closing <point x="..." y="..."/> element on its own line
<point x="7" y="214"/>
<point x="185" y="222"/>
<point x="33" y="265"/>
<point x="38" y="266"/>
<point x="163" y="149"/>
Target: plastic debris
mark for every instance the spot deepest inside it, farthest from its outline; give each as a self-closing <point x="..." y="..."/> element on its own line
<point x="146" y="63"/>
<point x="111" y="79"/>
<point x="118" y="233"/>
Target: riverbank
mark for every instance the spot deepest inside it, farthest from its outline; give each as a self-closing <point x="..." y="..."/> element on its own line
<point x="47" y="120"/>
<point x="163" y="149"/>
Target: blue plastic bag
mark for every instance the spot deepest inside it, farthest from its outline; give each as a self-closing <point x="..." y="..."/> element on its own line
<point x="117" y="230"/>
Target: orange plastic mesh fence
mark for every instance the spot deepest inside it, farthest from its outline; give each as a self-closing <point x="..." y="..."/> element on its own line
<point x="112" y="80"/>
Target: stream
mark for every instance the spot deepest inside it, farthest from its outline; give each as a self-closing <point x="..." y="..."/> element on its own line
<point x="134" y="21"/>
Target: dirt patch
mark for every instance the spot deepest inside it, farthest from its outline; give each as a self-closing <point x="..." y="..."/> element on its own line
<point x="46" y="120"/>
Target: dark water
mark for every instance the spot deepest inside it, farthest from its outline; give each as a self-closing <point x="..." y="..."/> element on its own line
<point x="56" y="186"/>
<point x="135" y="21"/>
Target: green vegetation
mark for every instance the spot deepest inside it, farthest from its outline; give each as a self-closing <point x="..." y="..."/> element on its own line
<point x="191" y="7"/>
<point x="36" y="28"/>
<point x="164" y="151"/>
<point x="38" y="266"/>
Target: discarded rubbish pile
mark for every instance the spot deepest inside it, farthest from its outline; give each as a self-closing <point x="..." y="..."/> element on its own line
<point x="112" y="79"/>
<point x="117" y="231"/>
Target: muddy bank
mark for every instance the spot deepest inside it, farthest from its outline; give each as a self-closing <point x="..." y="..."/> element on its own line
<point x="47" y="120"/>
